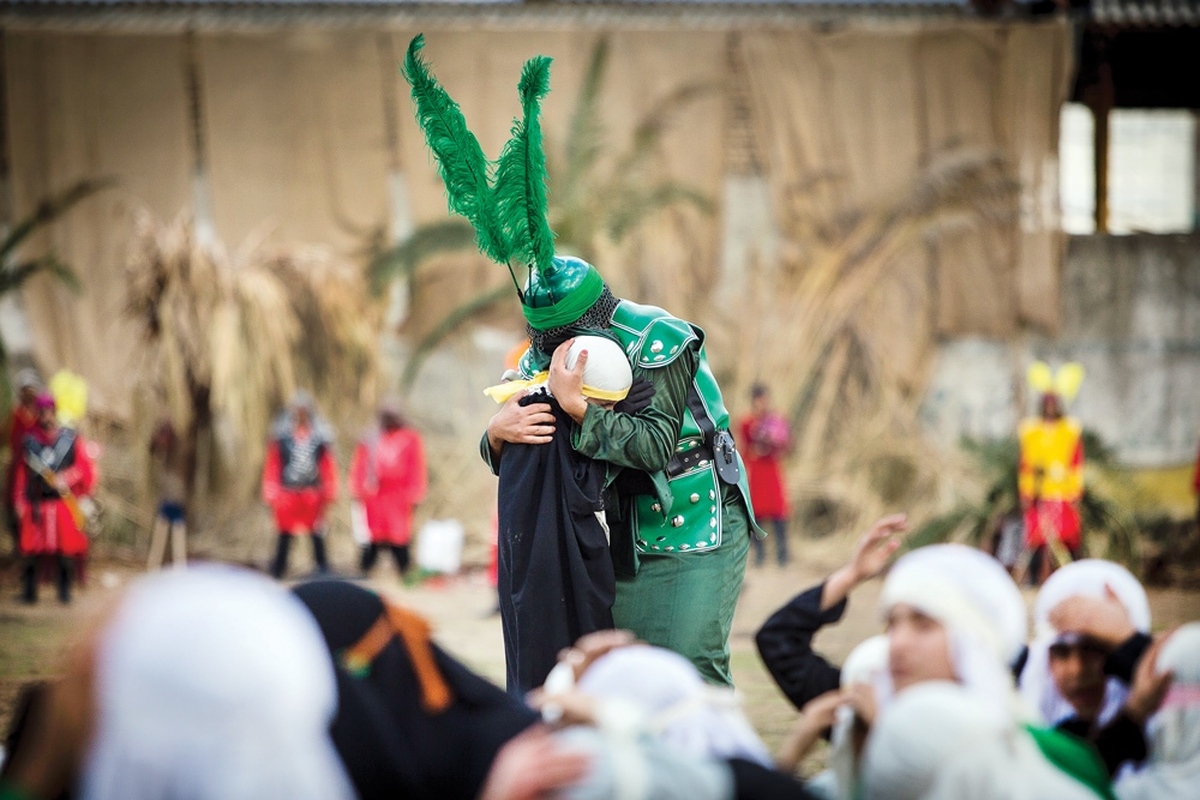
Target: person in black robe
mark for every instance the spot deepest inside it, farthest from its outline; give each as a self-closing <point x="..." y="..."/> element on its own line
<point x="556" y="579"/>
<point x="412" y="721"/>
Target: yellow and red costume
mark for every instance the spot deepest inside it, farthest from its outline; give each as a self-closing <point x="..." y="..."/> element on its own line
<point x="1050" y="480"/>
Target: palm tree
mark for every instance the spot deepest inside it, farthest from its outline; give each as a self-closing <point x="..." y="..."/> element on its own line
<point x="587" y="206"/>
<point x="15" y="272"/>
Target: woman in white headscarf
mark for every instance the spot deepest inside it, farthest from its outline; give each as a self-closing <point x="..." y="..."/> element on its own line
<point x="213" y="683"/>
<point x="674" y="703"/>
<point x="1173" y="770"/>
<point x="863" y="670"/>
<point x="952" y="613"/>
<point x="1067" y="676"/>
<point x="942" y="741"/>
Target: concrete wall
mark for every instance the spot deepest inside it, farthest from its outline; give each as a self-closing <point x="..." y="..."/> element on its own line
<point x="1131" y="316"/>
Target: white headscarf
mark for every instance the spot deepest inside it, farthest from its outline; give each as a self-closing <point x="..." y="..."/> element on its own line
<point x="1173" y="769"/>
<point x="213" y="684"/>
<point x="941" y="741"/>
<point x="1085" y="578"/>
<point x="973" y="596"/>
<point x="676" y="705"/>
<point x="867" y="663"/>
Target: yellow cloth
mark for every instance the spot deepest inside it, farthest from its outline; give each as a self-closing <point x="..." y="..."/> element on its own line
<point x="501" y="392"/>
<point x="1051" y="460"/>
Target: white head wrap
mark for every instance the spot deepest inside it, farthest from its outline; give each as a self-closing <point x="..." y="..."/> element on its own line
<point x="941" y="741"/>
<point x="678" y="707"/>
<point x="213" y="684"/>
<point x="1173" y="769"/>
<point x="973" y="596"/>
<point x="1087" y="578"/>
<point x="867" y="663"/>
<point x="607" y="375"/>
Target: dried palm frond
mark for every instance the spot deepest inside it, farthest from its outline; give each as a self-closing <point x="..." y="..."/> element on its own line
<point x="227" y="338"/>
<point x="853" y="409"/>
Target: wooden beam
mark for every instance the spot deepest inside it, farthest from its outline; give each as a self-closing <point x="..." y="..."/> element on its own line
<point x="1102" y="104"/>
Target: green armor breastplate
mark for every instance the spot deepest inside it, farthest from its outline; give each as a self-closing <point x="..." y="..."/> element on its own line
<point x="653" y="338"/>
<point x="687" y="517"/>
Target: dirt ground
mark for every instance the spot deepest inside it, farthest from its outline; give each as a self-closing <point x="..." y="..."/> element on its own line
<point x="33" y="638"/>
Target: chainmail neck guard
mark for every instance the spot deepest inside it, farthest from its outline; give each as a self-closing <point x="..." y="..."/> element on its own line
<point x="595" y="318"/>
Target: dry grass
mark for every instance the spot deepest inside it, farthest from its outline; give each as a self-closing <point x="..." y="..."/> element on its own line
<point x="228" y="336"/>
<point x="852" y="367"/>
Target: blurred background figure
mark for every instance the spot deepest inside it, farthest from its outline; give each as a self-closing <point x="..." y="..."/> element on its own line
<point x="299" y="480"/>
<point x="765" y="440"/>
<point x="1050" y="476"/>
<point x="210" y="683"/>
<point x="167" y="478"/>
<point x="55" y="473"/>
<point x="1173" y="770"/>
<point x="21" y="421"/>
<point x="388" y="477"/>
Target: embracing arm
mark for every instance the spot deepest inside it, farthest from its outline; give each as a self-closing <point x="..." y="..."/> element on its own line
<point x="645" y="440"/>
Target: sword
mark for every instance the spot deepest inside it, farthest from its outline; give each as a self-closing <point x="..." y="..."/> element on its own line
<point x="64" y="492"/>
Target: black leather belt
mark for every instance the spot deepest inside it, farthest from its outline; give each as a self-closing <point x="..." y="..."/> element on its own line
<point x="682" y="462"/>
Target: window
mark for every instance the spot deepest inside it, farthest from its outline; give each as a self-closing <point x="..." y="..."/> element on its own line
<point x="1152" y="171"/>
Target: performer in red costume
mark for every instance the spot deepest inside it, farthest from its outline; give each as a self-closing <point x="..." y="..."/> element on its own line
<point x="388" y="477"/>
<point x="765" y="439"/>
<point x="299" y="480"/>
<point x="55" y="471"/>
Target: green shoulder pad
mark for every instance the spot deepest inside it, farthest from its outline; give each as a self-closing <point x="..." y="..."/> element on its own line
<point x="663" y="341"/>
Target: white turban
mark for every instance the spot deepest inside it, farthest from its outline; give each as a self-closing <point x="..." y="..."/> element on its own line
<point x="213" y="684"/>
<point x="676" y="705"/>
<point x="974" y="598"/>
<point x="941" y="741"/>
<point x="866" y="664"/>
<point x="607" y="374"/>
<point x="1087" y="578"/>
<point x="1173" y="769"/>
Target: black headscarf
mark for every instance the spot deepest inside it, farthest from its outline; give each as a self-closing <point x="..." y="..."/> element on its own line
<point x="392" y="746"/>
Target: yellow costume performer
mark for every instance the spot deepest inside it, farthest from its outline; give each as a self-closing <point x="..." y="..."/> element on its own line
<point x="1050" y="477"/>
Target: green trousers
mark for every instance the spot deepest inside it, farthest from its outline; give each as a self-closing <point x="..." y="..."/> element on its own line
<point x="685" y="603"/>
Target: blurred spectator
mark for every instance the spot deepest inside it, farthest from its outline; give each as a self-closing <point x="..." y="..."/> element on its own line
<point x="765" y="439"/>
<point x="21" y="421"/>
<point x="388" y="477"/>
<point x="167" y="478"/>
<point x="1173" y="770"/>
<point x="210" y="684"/>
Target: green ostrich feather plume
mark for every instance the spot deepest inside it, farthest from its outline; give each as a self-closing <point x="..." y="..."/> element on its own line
<point x="521" y="174"/>
<point x="461" y="162"/>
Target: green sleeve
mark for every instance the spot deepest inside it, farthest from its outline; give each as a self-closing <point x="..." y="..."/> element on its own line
<point x="646" y="440"/>
<point x="489" y="458"/>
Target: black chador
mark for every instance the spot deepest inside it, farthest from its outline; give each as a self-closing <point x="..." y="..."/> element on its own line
<point x="556" y="578"/>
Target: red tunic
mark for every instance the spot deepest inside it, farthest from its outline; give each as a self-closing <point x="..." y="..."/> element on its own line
<point x="22" y="422"/>
<point x="50" y="528"/>
<point x="763" y="440"/>
<point x="298" y="510"/>
<point x="388" y="477"/>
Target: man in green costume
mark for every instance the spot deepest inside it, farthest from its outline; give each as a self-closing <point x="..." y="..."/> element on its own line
<point x="678" y="503"/>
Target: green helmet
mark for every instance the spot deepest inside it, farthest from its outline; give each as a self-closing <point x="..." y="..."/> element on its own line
<point x="562" y="294"/>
